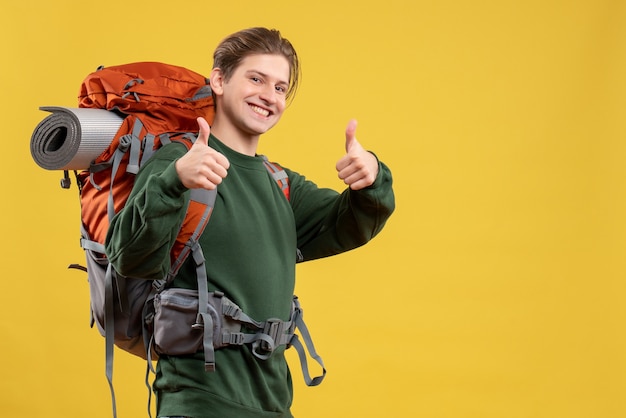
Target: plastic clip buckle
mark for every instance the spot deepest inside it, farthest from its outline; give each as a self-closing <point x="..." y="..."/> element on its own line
<point x="274" y="328"/>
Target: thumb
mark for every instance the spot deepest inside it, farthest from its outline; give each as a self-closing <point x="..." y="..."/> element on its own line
<point x="205" y="130"/>
<point x="350" y="134"/>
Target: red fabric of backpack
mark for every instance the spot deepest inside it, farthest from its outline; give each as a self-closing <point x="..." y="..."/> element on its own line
<point x="165" y="99"/>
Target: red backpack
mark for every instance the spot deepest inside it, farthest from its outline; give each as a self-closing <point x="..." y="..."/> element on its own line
<point x="160" y="103"/>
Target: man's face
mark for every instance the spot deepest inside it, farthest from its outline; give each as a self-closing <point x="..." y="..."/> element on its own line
<point x="254" y="98"/>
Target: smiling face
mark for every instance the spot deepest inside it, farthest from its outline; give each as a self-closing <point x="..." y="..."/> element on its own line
<point x="252" y="100"/>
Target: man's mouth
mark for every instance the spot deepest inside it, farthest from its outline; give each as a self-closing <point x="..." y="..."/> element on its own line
<point x="260" y="110"/>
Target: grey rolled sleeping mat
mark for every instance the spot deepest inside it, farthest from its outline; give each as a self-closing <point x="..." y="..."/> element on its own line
<point x="71" y="138"/>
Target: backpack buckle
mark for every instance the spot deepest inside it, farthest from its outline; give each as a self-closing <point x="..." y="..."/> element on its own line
<point x="273" y="328"/>
<point x="125" y="141"/>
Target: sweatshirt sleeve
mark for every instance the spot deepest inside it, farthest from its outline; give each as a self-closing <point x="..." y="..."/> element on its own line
<point x="329" y="222"/>
<point x="140" y="236"/>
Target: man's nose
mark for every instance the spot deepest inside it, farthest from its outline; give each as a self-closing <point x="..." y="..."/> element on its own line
<point x="269" y="94"/>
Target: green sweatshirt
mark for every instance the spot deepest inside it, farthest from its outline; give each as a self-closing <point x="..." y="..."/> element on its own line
<point x="250" y="249"/>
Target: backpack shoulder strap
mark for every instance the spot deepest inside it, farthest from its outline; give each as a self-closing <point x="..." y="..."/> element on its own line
<point x="282" y="179"/>
<point x="199" y="210"/>
<point x="279" y="174"/>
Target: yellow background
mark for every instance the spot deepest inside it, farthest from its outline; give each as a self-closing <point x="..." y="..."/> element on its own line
<point x="496" y="288"/>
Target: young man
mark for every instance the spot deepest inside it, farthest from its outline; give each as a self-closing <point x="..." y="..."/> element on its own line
<point x="255" y="235"/>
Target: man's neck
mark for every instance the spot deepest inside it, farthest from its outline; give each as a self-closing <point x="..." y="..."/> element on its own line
<point x="235" y="139"/>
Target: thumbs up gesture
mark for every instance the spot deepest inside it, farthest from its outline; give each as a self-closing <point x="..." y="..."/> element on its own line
<point x="358" y="168"/>
<point x="202" y="166"/>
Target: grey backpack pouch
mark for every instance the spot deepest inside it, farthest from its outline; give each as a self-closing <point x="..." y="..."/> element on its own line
<point x="176" y="328"/>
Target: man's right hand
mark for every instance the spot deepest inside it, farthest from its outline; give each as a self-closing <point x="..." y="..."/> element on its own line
<point x="202" y="166"/>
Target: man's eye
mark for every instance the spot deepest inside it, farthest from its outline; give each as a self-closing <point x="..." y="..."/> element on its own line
<point x="281" y="89"/>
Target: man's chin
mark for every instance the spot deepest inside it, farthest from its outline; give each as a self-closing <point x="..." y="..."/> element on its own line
<point x="261" y="128"/>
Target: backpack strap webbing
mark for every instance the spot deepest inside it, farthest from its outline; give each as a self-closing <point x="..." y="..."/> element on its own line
<point x="109" y="329"/>
<point x="308" y="342"/>
<point x="130" y="143"/>
<point x="279" y="175"/>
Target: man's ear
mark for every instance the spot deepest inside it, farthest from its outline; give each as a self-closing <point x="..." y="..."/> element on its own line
<point x="217" y="81"/>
